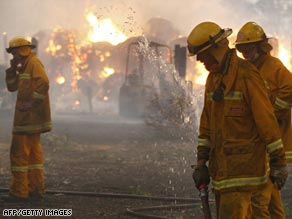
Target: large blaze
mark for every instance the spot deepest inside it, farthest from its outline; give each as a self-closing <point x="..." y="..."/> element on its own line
<point x="97" y="59"/>
<point x="77" y="67"/>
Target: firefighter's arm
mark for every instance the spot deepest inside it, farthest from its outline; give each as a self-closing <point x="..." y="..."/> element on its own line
<point x="267" y="126"/>
<point x="201" y="172"/>
<point x="12" y="77"/>
<point x="203" y="146"/>
<point x="40" y="82"/>
<point x="282" y="97"/>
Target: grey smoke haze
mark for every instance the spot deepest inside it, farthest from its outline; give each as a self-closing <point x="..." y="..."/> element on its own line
<point x="27" y="17"/>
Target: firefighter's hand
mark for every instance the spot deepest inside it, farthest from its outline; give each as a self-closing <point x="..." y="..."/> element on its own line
<point x="201" y="175"/>
<point x="13" y="64"/>
<point x="11" y="72"/>
<point x="279" y="175"/>
<point x="16" y="64"/>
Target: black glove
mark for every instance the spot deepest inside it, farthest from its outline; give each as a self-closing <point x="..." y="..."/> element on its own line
<point x="278" y="166"/>
<point x="279" y="175"/>
<point x="16" y="64"/>
<point x="10" y="72"/>
<point x="201" y="175"/>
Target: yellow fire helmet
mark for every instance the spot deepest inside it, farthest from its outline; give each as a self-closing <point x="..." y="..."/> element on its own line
<point x="19" y="42"/>
<point x="251" y="32"/>
<point x="205" y="35"/>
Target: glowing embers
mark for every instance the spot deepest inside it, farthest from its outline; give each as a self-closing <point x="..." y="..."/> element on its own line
<point x="60" y="79"/>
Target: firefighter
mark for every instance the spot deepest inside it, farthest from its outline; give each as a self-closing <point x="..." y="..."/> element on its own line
<point x="237" y="127"/>
<point x="27" y="76"/>
<point x="253" y="43"/>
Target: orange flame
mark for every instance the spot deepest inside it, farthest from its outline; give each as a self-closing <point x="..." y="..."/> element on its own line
<point x="52" y="48"/>
<point x="107" y="72"/>
<point x="201" y="74"/>
<point x="104" y="30"/>
<point x="284" y="56"/>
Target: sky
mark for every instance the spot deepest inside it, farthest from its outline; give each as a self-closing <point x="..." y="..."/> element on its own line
<point x="27" y="17"/>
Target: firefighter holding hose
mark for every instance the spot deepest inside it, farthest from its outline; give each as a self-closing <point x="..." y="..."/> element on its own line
<point x="27" y="76"/>
<point x="239" y="135"/>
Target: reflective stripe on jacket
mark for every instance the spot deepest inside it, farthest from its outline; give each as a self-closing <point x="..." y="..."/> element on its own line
<point x="236" y="133"/>
<point x="278" y="81"/>
<point x="32" y="85"/>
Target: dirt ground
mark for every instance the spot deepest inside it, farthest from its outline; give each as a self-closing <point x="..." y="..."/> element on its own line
<point x="103" y="156"/>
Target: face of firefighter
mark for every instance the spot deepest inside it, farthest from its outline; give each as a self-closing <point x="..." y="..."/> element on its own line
<point x="209" y="61"/>
<point x="15" y="54"/>
<point x="249" y="51"/>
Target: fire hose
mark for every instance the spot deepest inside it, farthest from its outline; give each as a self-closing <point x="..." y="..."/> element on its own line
<point x="204" y="195"/>
<point x="134" y="211"/>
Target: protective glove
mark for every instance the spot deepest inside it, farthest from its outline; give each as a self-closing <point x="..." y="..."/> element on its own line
<point x="17" y="64"/>
<point x="14" y="66"/>
<point x="201" y="175"/>
<point x="10" y="72"/>
<point x="279" y="175"/>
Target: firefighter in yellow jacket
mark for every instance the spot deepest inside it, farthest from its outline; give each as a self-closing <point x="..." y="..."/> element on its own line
<point x="252" y="42"/>
<point x="237" y="127"/>
<point x="27" y="76"/>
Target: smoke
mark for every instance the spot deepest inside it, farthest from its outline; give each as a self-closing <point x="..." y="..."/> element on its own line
<point x="252" y="1"/>
<point x="27" y="17"/>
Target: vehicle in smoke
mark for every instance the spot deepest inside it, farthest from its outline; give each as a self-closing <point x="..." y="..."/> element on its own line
<point x="142" y="76"/>
<point x="155" y="89"/>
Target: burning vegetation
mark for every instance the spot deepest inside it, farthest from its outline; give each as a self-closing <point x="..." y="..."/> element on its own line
<point x="96" y="72"/>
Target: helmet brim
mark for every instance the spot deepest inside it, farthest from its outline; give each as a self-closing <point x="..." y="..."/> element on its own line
<point x="9" y="50"/>
<point x="226" y="32"/>
<point x="251" y="41"/>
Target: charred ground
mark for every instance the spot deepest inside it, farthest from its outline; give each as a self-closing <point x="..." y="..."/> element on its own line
<point x="106" y="154"/>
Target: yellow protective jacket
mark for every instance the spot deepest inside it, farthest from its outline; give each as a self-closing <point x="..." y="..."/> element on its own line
<point x="236" y="133"/>
<point x="278" y="81"/>
<point x="32" y="85"/>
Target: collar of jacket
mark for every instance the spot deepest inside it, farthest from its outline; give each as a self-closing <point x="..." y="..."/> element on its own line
<point x="226" y="62"/>
<point x="231" y="65"/>
<point x="225" y="66"/>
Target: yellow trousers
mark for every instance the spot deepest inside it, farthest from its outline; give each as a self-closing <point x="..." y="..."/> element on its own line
<point x="26" y="158"/>
<point x="232" y="205"/>
<point x="245" y="205"/>
<point x="276" y="205"/>
<point x="269" y="196"/>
